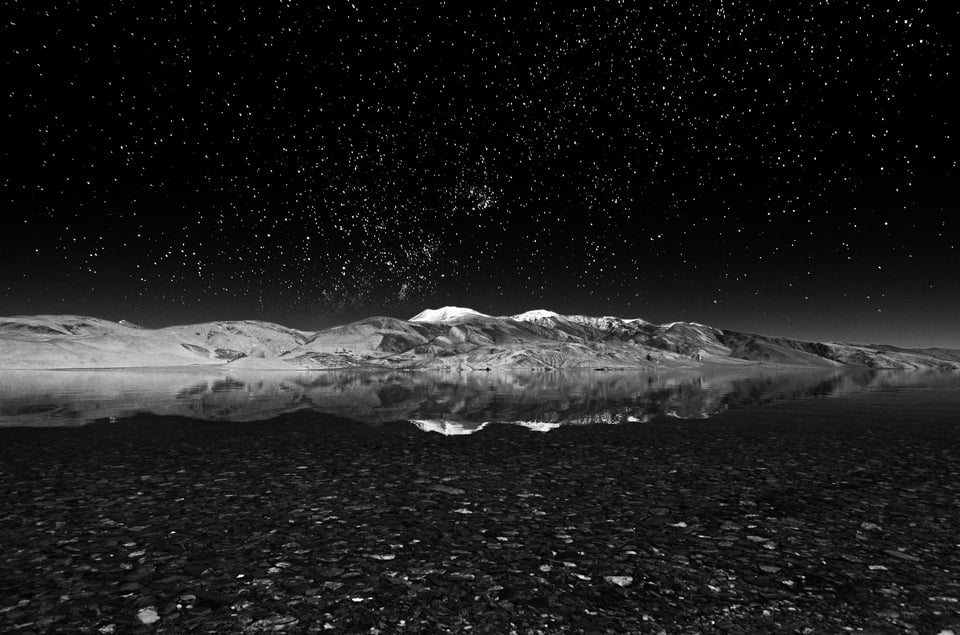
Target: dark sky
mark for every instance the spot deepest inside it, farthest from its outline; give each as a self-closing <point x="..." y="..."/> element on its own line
<point x="775" y="167"/>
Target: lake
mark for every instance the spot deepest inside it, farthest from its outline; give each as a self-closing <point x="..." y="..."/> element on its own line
<point x="449" y="403"/>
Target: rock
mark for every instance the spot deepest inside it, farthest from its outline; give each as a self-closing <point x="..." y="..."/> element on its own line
<point x="446" y="489"/>
<point x="901" y="555"/>
<point x="148" y="615"/>
<point x="273" y="623"/>
<point x="619" y="580"/>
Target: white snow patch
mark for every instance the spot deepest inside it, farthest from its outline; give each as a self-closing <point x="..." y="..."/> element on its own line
<point x="603" y="322"/>
<point x="447" y="428"/>
<point x="535" y="314"/>
<point x="446" y="314"/>
<point x="672" y="324"/>
<point x="456" y="428"/>
<point x="538" y="426"/>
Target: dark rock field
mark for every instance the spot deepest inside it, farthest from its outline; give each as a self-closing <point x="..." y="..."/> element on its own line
<point x="770" y="520"/>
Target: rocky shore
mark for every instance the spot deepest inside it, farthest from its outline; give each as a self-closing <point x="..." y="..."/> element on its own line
<point x="770" y="520"/>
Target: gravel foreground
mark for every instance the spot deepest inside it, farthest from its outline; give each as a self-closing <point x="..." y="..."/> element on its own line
<point x="778" y="519"/>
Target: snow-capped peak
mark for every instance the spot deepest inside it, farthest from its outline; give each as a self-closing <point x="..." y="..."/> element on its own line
<point x="670" y="325"/>
<point x="446" y="314"/>
<point x="535" y="314"/>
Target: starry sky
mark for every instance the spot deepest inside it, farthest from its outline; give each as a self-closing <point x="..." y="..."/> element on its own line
<point x="776" y="167"/>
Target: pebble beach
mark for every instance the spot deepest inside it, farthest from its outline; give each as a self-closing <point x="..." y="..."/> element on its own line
<point x="781" y="519"/>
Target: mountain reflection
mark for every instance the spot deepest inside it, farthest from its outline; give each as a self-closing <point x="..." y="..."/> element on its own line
<point x="450" y="403"/>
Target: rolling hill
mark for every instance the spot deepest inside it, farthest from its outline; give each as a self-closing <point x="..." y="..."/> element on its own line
<point x="449" y="338"/>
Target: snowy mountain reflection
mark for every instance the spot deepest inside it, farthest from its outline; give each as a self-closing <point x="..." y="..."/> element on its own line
<point x="450" y="403"/>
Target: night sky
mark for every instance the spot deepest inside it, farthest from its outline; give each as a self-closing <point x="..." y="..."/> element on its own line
<point x="776" y="167"/>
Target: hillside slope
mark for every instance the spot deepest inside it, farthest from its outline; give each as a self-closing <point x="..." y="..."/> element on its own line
<point x="449" y="338"/>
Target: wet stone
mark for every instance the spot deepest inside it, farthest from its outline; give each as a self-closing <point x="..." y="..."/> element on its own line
<point x="446" y="489"/>
<point x="148" y="615"/>
<point x="901" y="555"/>
<point x="619" y="580"/>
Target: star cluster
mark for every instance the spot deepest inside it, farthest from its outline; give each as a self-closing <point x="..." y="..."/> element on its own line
<point x="781" y="167"/>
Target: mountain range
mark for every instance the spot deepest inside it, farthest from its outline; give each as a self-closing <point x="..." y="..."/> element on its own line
<point x="449" y="338"/>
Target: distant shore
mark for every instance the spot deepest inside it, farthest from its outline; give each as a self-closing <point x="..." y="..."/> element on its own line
<point x="446" y="339"/>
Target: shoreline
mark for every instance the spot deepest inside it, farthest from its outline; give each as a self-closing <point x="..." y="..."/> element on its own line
<point x="701" y="367"/>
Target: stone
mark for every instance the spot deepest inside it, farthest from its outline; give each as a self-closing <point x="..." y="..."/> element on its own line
<point x="619" y="580"/>
<point x="901" y="555"/>
<point x="148" y="615"/>
<point x="446" y="489"/>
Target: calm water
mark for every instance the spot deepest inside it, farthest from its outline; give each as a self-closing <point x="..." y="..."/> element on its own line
<point x="450" y="403"/>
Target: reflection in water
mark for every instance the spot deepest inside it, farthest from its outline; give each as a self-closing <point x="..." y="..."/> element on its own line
<point x="450" y="403"/>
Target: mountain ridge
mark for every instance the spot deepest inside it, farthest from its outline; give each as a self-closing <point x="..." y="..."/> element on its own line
<point x="453" y="338"/>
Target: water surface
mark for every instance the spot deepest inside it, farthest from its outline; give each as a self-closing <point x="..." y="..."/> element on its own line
<point x="451" y="403"/>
